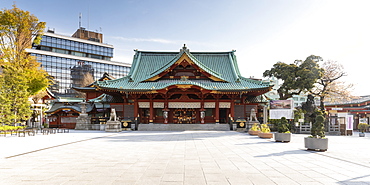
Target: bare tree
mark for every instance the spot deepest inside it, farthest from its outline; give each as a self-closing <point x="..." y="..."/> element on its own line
<point x="328" y="87"/>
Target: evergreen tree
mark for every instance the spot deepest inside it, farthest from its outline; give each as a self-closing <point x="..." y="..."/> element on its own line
<point x="297" y="77"/>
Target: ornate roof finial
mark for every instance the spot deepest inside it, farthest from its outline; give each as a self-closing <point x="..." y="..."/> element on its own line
<point x="184" y="48"/>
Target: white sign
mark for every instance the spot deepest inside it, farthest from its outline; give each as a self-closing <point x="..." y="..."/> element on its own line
<point x="336" y="108"/>
<point x="279" y="113"/>
<point x="281" y="108"/>
<point x="363" y="120"/>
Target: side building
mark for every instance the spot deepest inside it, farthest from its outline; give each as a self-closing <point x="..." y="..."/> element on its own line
<point x="76" y="61"/>
<point x="347" y="115"/>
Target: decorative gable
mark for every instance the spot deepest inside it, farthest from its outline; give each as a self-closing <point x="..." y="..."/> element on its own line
<point x="185" y="67"/>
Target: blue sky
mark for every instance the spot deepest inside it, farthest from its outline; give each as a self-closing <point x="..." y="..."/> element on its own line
<point x="262" y="32"/>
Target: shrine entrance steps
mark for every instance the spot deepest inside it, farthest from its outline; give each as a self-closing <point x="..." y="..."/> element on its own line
<point x="184" y="127"/>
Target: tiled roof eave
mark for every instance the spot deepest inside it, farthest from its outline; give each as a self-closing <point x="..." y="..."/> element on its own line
<point x="77" y="109"/>
<point x="152" y="86"/>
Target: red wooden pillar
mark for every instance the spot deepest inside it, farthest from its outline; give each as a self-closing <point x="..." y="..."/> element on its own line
<point x="232" y="105"/>
<point x="151" y="109"/>
<point x="217" y="109"/>
<point x="136" y="106"/>
<point x="151" y="112"/>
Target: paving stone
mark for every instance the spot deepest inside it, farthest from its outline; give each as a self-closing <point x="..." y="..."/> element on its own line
<point x="173" y="177"/>
<point x="189" y="157"/>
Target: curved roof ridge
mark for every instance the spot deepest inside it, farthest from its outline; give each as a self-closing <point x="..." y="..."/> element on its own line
<point x="137" y="62"/>
<point x="235" y="74"/>
<point x="99" y="98"/>
<point x="176" y="52"/>
<point x="106" y="82"/>
<point x="254" y="81"/>
<point x="235" y="62"/>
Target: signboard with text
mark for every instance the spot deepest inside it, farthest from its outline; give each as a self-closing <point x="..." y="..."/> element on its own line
<point x="281" y="108"/>
<point x="281" y="104"/>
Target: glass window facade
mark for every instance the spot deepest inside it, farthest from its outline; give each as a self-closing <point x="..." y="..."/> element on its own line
<point x="69" y="72"/>
<point x="65" y="46"/>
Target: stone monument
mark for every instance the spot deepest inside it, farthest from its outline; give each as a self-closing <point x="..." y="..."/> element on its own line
<point x="83" y="120"/>
<point x="112" y="124"/>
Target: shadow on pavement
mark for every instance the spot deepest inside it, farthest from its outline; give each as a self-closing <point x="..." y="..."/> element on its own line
<point x="356" y="180"/>
<point x="289" y="152"/>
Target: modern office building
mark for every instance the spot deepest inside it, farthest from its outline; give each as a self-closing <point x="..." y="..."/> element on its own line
<point x="73" y="61"/>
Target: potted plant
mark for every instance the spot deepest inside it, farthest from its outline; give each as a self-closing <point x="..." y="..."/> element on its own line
<point x="362" y="127"/>
<point x="255" y="129"/>
<point x="317" y="140"/>
<point x="283" y="133"/>
<point x="265" y="132"/>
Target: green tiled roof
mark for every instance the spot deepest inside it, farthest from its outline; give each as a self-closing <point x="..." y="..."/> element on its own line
<point x="69" y="99"/>
<point x="62" y="106"/>
<point x="257" y="99"/>
<point x="105" y="98"/>
<point x="222" y="65"/>
<point x="358" y="100"/>
<point x="161" y="84"/>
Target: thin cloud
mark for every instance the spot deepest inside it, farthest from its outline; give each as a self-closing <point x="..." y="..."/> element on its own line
<point x="156" y="40"/>
<point x="164" y="41"/>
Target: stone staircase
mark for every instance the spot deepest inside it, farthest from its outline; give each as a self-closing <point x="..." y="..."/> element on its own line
<point x="183" y="127"/>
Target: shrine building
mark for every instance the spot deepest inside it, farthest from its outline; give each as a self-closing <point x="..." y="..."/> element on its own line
<point x="185" y="88"/>
<point x="350" y="113"/>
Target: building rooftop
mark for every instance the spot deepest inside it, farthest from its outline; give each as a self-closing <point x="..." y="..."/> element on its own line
<point x="148" y="67"/>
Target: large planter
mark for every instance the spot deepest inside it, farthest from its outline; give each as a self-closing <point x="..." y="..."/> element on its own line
<point x="282" y="137"/>
<point x="361" y="134"/>
<point x="268" y="135"/>
<point x="316" y="144"/>
<point x="253" y="133"/>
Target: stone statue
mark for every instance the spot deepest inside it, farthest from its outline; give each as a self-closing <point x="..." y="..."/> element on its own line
<point x="253" y="115"/>
<point x="113" y="116"/>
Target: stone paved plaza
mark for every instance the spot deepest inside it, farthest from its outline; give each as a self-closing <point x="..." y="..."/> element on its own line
<point x="190" y="157"/>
